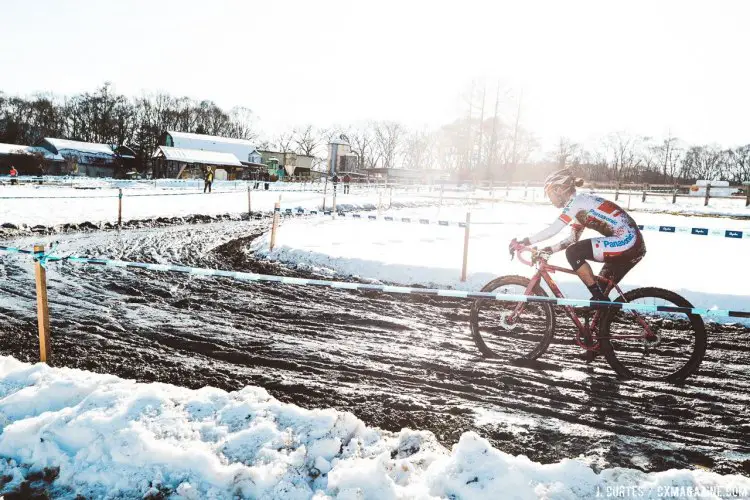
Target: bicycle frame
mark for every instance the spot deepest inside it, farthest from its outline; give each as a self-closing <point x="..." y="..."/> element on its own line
<point x="544" y="270"/>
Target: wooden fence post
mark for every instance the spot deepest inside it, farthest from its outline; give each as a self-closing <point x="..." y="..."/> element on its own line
<point x="275" y="225"/>
<point x="747" y="194"/>
<point x="249" y="203"/>
<point x="507" y="190"/>
<point x="525" y="190"/>
<point x="674" y="196"/>
<point x="617" y="191"/>
<point x="708" y="194"/>
<point x="645" y="188"/>
<point x="466" y="246"/>
<point x="325" y="188"/>
<point x="42" y="309"/>
<point x="119" y="208"/>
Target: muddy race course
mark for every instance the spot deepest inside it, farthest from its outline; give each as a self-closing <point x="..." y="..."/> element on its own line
<point x="394" y="361"/>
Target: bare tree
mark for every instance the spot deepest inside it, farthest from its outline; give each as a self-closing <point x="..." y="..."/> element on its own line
<point x="704" y="162"/>
<point x="284" y="142"/>
<point x="388" y="139"/>
<point x="242" y="123"/>
<point x="623" y="155"/>
<point x="362" y="142"/>
<point x="739" y="164"/>
<point x="565" y="152"/>
<point x="418" y="150"/>
<point x="307" y="140"/>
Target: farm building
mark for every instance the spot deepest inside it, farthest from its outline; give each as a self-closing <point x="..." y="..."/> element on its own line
<point x="248" y="159"/>
<point x="286" y="164"/>
<point x="83" y="158"/>
<point x="29" y="160"/>
<point x="179" y="163"/>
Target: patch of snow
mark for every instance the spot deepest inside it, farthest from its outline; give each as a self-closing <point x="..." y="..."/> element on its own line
<point x="109" y="437"/>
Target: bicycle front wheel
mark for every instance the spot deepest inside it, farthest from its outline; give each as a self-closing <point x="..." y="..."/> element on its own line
<point x="497" y="329"/>
<point x="672" y="351"/>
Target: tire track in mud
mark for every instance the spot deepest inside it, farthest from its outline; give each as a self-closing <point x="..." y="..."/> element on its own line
<point x="393" y="361"/>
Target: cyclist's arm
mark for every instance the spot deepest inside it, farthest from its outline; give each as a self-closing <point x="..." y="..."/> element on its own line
<point x="575" y="234"/>
<point x="549" y="232"/>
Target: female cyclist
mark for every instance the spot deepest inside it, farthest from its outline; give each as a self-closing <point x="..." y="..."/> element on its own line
<point x="620" y="247"/>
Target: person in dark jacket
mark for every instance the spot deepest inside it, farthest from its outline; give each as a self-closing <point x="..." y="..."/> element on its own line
<point x="208" y="180"/>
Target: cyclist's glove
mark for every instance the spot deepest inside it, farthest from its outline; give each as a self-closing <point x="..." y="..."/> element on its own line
<point x="514" y="244"/>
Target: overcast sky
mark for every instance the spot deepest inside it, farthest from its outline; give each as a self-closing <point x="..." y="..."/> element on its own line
<point x="586" y="67"/>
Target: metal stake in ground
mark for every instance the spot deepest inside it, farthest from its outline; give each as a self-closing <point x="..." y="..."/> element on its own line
<point x="466" y="247"/>
<point x="276" y="211"/>
<point x="119" y="208"/>
<point x="42" y="309"/>
<point x="333" y="208"/>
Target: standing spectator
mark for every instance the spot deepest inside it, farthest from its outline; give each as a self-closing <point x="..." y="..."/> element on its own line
<point x="208" y="180"/>
<point x="13" y="175"/>
<point x="347" y="180"/>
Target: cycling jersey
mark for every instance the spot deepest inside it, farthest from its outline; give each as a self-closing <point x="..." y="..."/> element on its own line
<point x="620" y="232"/>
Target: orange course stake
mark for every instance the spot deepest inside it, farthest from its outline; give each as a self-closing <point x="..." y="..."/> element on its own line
<point x="42" y="309"/>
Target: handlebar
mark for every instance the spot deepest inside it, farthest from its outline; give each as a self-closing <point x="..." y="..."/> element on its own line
<point x="520" y="250"/>
<point x="535" y="255"/>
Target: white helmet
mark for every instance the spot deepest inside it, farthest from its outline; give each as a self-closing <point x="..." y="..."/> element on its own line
<point x="562" y="182"/>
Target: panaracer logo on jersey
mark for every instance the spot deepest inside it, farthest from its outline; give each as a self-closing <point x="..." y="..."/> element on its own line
<point x="600" y="215"/>
<point x="620" y="243"/>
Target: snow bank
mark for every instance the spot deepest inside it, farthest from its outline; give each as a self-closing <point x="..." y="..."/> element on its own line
<point x="702" y="268"/>
<point x="98" y="435"/>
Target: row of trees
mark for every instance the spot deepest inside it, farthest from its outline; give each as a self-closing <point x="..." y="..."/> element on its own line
<point x="107" y="117"/>
<point x="489" y="140"/>
<point x="632" y="159"/>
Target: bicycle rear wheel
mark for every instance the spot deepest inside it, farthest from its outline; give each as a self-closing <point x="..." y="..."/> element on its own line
<point x="675" y="353"/>
<point x="528" y="337"/>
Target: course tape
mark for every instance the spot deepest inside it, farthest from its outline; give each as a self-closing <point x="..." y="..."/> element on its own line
<point x="358" y="216"/>
<point x="698" y="231"/>
<point x="460" y="294"/>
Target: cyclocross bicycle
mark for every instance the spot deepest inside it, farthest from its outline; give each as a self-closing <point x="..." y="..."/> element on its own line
<point x="667" y="346"/>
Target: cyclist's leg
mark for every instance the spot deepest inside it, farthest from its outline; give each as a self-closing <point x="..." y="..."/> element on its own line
<point x="617" y="266"/>
<point x="577" y="255"/>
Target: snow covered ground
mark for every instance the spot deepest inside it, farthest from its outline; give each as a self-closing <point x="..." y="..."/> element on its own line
<point x="96" y="200"/>
<point x="110" y="436"/>
<point x="704" y="269"/>
<point x="101" y="436"/>
<point x="51" y="205"/>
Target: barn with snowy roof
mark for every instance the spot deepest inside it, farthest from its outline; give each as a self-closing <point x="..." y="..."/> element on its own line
<point x="186" y="155"/>
<point x="83" y="158"/>
<point x="29" y="160"/>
